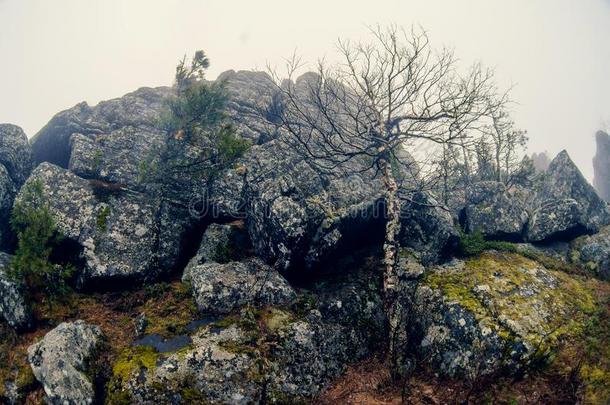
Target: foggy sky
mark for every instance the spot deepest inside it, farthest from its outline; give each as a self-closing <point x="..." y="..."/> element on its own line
<point x="55" y="53"/>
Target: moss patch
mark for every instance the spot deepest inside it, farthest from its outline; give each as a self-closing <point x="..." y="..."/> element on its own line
<point x="538" y="303"/>
<point x="133" y="359"/>
<point x="102" y="218"/>
<point x="565" y="318"/>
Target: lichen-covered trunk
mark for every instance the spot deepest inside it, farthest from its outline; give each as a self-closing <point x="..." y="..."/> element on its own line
<point x="390" y="246"/>
<point x="390" y="250"/>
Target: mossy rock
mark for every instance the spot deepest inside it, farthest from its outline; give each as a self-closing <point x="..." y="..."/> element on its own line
<point x="498" y="311"/>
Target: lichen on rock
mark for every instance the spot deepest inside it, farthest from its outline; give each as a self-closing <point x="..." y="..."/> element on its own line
<point x="499" y="311"/>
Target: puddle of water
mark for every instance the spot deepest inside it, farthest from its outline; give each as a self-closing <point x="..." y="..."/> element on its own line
<point x="194" y="325"/>
<point x="163" y="345"/>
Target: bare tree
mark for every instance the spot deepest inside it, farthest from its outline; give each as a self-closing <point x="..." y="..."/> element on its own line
<point x="384" y="97"/>
<point x="507" y="142"/>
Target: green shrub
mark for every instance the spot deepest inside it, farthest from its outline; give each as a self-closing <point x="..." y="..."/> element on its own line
<point x="37" y="235"/>
<point x="200" y="140"/>
<point x="471" y="244"/>
<point x="475" y="243"/>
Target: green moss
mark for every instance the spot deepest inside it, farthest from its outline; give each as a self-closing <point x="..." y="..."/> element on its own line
<point x="102" y="218"/>
<point x="133" y="359"/>
<point x="117" y="396"/>
<point x="491" y="286"/>
<point x="98" y="157"/>
<point x="274" y="319"/>
<point x="238" y="348"/>
<point x="191" y="395"/>
<point x="304" y="303"/>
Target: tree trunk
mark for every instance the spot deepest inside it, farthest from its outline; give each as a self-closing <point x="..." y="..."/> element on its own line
<point x="390" y="249"/>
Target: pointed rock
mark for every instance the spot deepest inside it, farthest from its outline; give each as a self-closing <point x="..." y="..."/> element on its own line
<point x="567" y="205"/>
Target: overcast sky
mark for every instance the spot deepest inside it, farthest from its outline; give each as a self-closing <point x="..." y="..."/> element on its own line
<point x="54" y="54"/>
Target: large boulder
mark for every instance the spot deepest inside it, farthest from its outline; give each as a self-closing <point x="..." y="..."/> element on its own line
<point x="221" y="288"/>
<point x="117" y="229"/>
<point x="221" y="243"/>
<point x="427" y="229"/>
<point x="567" y="205"/>
<point x="116" y="157"/>
<point x="15" y="153"/>
<point x="495" y="210"/>
<point x="14" y="307"/>
<point x="141" y="109"/>
<point x="61" y="362"/>
<point x="498" y="312"/>
<point x="601" y="165"/>
<point x="137" y="115"/>
<point x="593" y="252"/>
<point x="15" y="167"/>
<point x="251" y="95"/>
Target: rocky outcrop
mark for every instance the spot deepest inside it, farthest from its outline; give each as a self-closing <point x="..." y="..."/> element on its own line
<point x="593" y="253"/>
<point x="495" y="211"/>
<point x="271" y="355"/>
<point x="139" y="109"/>
<point x="118" y="230"/>
<point x="15" y="167"/>
<point x="133" y="120"/>
<point x="601" y="165"/>
<point x="221" y="288"/>
<point x="567" y="205"/>
<point x="221" y="243"/>
<point x="427" y="229"/>
<point x="14" y="308"/>
<point x="116" y="157"/>
<point x="497" y="312"/>
<point x="249" y="92"/>
<point x="293" y="212"/>
<point x="15" y="153"/>
<point x="61" y="360"/>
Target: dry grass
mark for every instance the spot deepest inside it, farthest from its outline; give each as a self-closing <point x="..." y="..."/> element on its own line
<point x="368" y="382"/>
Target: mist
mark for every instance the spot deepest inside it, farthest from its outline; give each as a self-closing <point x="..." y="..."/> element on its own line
<point x="553" y="53"/>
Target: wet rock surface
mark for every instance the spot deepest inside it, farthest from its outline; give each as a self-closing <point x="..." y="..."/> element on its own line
<point x="273" y="354"/>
